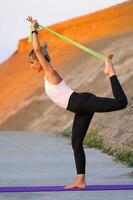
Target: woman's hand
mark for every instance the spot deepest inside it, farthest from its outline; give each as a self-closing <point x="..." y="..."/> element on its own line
<point x="34" y="22"/>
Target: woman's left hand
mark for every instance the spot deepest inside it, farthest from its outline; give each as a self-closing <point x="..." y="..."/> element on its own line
<point x="34" y="22"/>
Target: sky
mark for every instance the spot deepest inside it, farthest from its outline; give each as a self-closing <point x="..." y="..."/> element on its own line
<point x="13" y="15"/>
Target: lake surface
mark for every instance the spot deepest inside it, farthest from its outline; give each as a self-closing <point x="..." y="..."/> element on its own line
<point x="37" y="158"/>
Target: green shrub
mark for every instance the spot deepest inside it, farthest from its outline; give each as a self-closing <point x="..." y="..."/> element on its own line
<point x="67" y="132"/>
<point x="92" y="139"/>
<point x="125" y="156"/>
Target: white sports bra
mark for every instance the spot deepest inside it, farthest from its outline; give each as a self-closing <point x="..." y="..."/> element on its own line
<point x="58" y="93"/>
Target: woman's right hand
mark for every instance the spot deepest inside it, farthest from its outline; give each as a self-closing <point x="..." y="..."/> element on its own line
<point x="33" y="22"/>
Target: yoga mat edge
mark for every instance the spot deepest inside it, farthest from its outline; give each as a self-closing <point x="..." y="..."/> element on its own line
<point x="61" y="188"/>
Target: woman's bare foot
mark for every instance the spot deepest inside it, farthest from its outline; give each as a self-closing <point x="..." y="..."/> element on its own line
<point x="109" y="68"/>
<point x="79" y="183"/>
<point x="76" y="185"/>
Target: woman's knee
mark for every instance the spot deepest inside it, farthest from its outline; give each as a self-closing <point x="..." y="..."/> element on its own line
<point x="123" y="103"/>
<point x="76" y="145"/>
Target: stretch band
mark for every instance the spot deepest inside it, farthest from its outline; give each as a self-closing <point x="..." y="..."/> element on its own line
<point x="76" y="44"/>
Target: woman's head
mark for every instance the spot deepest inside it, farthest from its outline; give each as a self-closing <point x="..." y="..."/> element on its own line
<point x="33" y="60"/>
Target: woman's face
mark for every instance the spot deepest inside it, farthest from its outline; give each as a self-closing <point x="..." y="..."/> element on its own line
<point x="35" y="65"/>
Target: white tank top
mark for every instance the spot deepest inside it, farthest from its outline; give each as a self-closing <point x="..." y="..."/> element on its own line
<point x="58" y="93"/>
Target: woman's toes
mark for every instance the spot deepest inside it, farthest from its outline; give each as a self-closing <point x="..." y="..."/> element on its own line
<point x="76" y="185"/>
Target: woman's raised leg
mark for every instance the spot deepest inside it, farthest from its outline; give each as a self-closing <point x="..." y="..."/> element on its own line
<point x="103" y="104"/>
<point x="84" y="103"/>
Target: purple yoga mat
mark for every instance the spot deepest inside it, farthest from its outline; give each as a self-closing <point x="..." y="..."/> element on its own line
<point x="61" y="188"/>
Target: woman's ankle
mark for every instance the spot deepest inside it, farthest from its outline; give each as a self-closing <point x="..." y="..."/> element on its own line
<point x="112" y="73"/>
<point x="80" y="178"/>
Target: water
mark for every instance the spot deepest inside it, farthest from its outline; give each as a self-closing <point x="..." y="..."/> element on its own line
<point x="32" y="158"/>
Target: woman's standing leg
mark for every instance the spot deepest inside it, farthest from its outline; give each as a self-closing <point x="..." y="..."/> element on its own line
<point x="79" y="129"/>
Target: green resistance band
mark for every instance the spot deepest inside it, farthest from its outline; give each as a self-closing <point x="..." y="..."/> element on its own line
<point x="76" y="44"/>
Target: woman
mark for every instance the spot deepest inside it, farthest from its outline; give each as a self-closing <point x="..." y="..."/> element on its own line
<point x="84" y="105"/>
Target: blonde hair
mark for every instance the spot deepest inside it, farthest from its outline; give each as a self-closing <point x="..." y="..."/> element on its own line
<point x="44" y="52"/>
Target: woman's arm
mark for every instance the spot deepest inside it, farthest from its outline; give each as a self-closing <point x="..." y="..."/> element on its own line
<point x="36" y="43"/>
<point x="37" y="47"/>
